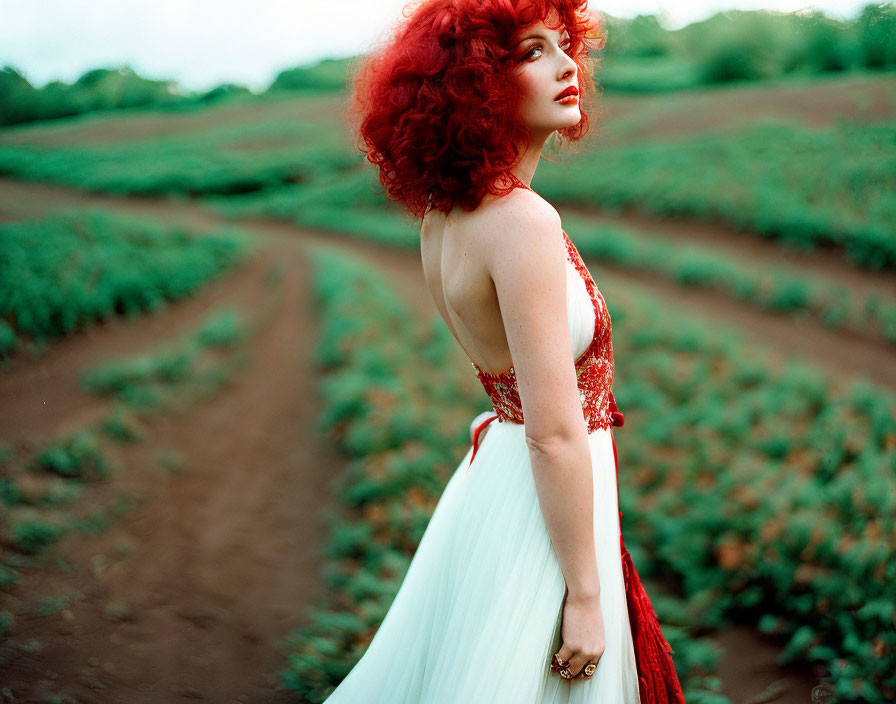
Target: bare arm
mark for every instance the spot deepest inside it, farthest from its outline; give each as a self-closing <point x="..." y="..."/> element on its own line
<point x="527" y="262"/>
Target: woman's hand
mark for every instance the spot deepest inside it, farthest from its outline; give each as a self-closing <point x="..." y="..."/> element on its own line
<point x="582" y="636"/>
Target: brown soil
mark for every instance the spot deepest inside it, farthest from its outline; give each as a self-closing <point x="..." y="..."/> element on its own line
<point x="750" y="674"/>
<point x="223" y="566"/>
<point x="225" y="552"/>
<point x="859" y="98"/>
<point x="816" y="104"/>
<point x="825" y="264"/>
<point x="848" y="356"/>
<point x="123" y="126"/>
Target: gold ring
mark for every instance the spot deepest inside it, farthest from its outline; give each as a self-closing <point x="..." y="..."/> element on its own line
<point x="557" y="663"/>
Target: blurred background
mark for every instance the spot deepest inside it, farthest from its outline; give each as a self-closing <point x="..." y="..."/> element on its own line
<point x="228" y="405"/>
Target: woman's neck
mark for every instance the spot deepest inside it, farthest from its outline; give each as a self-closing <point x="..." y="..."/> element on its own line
<point x="525" y="167"/>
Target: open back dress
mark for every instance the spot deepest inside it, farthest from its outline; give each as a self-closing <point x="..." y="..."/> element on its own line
<point x="478" y="614"/>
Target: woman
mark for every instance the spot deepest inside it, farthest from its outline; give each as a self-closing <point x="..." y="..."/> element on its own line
<point x="521" y="589"/>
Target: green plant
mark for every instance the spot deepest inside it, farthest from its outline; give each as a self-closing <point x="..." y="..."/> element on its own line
<point x="76" y="456"/>
<point x="34" y="536"/>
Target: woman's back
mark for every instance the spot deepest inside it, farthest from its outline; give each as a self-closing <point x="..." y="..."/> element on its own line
<point x="458" y="250"/>
<point x="459" y="104"/>
<point x="480" y="611"/>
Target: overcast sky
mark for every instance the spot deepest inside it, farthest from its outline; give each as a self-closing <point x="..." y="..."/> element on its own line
<point x="203" y="43"/>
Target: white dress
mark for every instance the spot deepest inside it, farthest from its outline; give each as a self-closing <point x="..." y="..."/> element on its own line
<point x="477" y="617"/>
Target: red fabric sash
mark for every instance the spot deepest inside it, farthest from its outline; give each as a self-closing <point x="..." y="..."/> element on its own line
<point x="657" y="680"/>
<point x="476" y="434"/>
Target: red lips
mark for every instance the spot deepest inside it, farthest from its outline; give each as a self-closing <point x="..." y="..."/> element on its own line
<point x="571" y="90"/>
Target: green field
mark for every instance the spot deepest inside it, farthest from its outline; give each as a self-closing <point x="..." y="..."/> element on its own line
<point x="757" y="471"/>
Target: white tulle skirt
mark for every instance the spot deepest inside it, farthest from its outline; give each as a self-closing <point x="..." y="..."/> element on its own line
<point x="477" y="617"/>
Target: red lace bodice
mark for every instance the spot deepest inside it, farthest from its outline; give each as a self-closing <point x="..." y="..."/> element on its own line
<point x="594" y="368"/>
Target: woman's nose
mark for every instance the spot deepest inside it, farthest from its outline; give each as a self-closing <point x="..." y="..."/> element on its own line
<point x="568" y="69"/>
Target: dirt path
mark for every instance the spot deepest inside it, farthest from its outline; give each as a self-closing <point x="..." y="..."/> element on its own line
<point x="225" y="551"/>
<point x="847" y="356"/>
<point x="145" y="123"/>
<point x="817" y="104"/>
<point x="42" y="398"/>
<point x="225" y="560"/>
<point x="825" y="264"/>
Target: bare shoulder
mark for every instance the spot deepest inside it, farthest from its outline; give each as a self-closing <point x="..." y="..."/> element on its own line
<point x="527" y="263"/>
<point x="520" y="222"/>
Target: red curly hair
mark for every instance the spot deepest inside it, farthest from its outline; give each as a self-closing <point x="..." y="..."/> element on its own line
<point x="436" y="107"/>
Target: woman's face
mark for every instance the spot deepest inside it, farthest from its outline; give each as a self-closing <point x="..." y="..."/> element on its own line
<point x="543" y="69"/>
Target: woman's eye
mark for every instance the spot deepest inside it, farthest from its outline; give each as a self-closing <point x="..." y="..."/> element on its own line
<point x="565" y="48"/>
<point x="529" y="54"/>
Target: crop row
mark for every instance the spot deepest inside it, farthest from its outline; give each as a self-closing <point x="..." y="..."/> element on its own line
<point x="767" y="287"/>
<point x="774" y="288"/>
<point x="805" y="188"/>
<point x="398" y="400"/>
<point x="763" y="489"/>
<point x="41" y="487"/>
<point x="765" y="486"/>
<point x="73" y="269"/>
<point x="810" y="188"/>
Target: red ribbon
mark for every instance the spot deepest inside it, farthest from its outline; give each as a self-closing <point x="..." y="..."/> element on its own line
<point x="477" y="433"/>
<point x="616" y="416"/>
